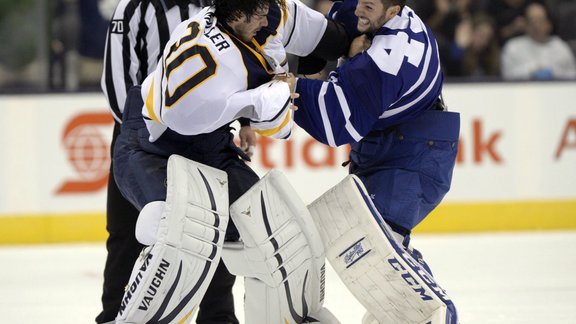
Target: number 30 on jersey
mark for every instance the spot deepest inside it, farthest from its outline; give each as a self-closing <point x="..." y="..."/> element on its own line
<point x="203" y="72"/>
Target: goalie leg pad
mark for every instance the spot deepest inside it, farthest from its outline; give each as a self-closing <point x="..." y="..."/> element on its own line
<point x="282" y="256"/>
<point x="171" y="277"/>
<point x="386" y="280"/>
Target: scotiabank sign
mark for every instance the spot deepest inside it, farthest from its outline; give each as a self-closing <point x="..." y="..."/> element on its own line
<point x="299" y="151"/>
<point x="484" y="145"/>
<point x="518" y="142"/>
<point x="514" y="143"/>
<point x="87" y="151"/>
<point x="567" y="143"/>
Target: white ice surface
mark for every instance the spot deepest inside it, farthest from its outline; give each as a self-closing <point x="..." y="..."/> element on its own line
<point x="527" y="278"/>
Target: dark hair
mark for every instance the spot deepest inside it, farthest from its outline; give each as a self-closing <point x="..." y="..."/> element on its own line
<point x="230" y="10"/>
<point x="199" y="3"/>
<point x="400" y="3"/>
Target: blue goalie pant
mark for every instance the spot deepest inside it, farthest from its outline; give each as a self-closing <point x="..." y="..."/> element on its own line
<point x="407" y="169"/>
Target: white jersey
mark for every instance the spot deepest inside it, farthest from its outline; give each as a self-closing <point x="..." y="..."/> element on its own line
<point x="208" y="78"/>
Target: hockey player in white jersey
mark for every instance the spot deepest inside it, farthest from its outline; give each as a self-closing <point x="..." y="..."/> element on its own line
<point x="385" y="101"/>
<point x="175" y="160"/>
<point x="203" y="56"/>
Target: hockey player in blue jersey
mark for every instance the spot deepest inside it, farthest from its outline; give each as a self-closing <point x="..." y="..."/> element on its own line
<point x="385" y="100"/>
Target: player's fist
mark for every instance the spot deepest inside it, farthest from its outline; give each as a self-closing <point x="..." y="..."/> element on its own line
<point x="359" y="44"/>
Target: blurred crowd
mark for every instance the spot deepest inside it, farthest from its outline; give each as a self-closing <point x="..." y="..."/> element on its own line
<point x="57" y="45"/>
<point x="52" y="45"/>
<point x="486" y="40"/>
<point x="509" y="39"/>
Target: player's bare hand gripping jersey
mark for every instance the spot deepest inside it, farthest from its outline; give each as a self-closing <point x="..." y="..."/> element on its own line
<point x="208" y="78"/>
<point x="393" y="81"/>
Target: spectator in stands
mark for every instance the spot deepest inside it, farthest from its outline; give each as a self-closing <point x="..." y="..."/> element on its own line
<point x="483" y="56"/>
<point x="443" y="16"/>
<point x="475" y="50"/>
<point x="564" y="13"/>
<point x="538" y="55"/>
<point x="448" y="14"/>
<point x="509" y="16"/>
<point x="450" y="21"/>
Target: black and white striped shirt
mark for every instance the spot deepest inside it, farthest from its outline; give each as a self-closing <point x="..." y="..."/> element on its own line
<point x="138" y="32"/>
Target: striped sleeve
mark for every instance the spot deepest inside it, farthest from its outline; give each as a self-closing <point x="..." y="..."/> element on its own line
<point x="331" y="112"/>
<point x="272" y="113"/>
<point x="137" y="34"/>
<point x="120" y="56"/>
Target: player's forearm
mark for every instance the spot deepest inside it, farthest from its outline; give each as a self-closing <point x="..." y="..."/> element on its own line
<point x="324" y="113"/>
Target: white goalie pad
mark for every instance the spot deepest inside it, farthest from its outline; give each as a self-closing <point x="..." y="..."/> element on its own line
<point x="361" y="248"/>
<point x="170" y="278"/>
<point x="281" y="257"/>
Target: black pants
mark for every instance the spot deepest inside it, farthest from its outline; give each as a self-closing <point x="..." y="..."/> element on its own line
<point x="122" y="246"/>
<point x="217" y="306"/>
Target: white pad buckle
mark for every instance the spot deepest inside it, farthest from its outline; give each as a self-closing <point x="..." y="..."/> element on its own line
<point x="171" y="277"/>
<point x="361" y="248"/>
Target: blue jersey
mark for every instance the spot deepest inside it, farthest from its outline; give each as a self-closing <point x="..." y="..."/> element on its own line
<point x="393" y="81"/>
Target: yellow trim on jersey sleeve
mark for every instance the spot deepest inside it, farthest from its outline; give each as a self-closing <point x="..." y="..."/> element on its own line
<point x="272" y="131"/>
<point x="150" y="103"/>
<point x="284" y="8"/>
<point x="283" y="20"/>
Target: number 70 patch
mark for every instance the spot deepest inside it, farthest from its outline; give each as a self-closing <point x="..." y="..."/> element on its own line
<point x="117" y="26"/>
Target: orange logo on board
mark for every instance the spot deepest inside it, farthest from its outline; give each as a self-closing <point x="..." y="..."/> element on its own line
<point x="88" y="152"/>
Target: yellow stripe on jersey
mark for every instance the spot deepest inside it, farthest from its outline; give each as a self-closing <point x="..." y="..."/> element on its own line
<point x="260" y="53"/>
<point x="150" y="103"/>
<point x="258" y="56"/>
<point x="272" y="131"/>
<point x="284" y="8"/>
